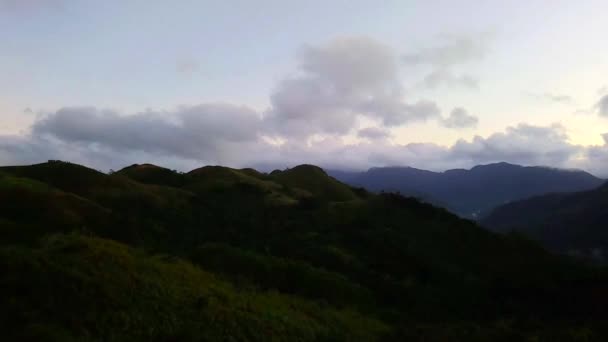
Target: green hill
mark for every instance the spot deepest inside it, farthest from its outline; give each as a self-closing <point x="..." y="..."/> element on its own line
<point x="224" y="254"/>
<point x="315" y="181"/>
<point x="152" y="174"/>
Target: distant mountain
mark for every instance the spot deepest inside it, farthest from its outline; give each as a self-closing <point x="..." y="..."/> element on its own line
<point x="471" y="193"/>
<point x="573" y="223"/>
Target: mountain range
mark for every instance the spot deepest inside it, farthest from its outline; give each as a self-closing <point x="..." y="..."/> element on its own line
<point x="223" y="254"/>
<point x="471" y="193"/>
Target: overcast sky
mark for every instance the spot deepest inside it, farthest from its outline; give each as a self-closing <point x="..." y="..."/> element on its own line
<point x="343" y="84"/>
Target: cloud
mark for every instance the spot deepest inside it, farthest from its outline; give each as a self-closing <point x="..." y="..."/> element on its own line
<point x="602" y="106"/>
<point x="313" y="117"/>
<point x="30" y="5"/>
<point x="460" y="118"/>
<point x="186" y="66"/>
<point x="339" y="83"/>
<point x="209" y="132"/>
<point x="392" y="112"/>
<point x="549" y="97"/>
<point x="442" y="76"/>
<point x="351" y="64"/>
<point x="189" y="137"/>
<point x="450" y="52"/>
<point x="373" y="133"/>
<point x="523" y="144"/>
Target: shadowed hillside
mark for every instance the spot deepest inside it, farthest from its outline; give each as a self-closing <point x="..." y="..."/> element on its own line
<point x="573" y="223"/>
<point x="315" y="181"/>
<point x="224" y="254"/>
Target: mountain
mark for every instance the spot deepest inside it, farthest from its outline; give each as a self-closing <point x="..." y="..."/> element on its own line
<point x="573" y="223"/>
<point x="471" y="193"/>
<point x="216" y="254"/>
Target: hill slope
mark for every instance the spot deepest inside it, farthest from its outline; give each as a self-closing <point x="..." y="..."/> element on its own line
<point x="472" y="193"/>
<point x="572" y="223"/>
<point x="217" y="257"/>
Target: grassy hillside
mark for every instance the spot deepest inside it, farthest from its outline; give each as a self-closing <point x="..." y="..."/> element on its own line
<point x="223" y="254"/>
<point x="100" y="290"/>
<point x="314" y="180"/>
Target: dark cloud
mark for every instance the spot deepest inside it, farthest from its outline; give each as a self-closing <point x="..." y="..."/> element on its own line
<point x="460" y="118"/>
<point x="373" y="133"/>
<point x="204" y="132"/>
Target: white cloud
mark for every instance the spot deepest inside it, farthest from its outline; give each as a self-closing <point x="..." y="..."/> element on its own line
<point x="450" y="53"/>
<point x="339" y="83"/>
<point x="602" y="106"/>
<point x="523" y="144"/>
<point x="313" y="118"/>
<point x="443" y="76"/>
<point x="550" y="97"/>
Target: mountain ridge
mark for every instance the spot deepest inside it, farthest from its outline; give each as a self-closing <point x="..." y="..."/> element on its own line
<point x="473" y="192"/>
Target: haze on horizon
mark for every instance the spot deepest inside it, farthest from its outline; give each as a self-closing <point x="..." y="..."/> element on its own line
<point x="341" y="84"/>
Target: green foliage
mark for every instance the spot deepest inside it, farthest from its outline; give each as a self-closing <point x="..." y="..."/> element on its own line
<point x="288" y="276"/>
<point x="314" y="180"/>
<point x="97" y="289"/>
<point x="291" y="255"/>
<point x="152" y="174"/>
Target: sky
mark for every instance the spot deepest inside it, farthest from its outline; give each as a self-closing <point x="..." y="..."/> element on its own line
<point x="341" y="84"/>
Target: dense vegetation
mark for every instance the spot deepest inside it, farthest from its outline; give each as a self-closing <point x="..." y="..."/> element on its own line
<point x="572" y="223"/>
<point x="218" y="254"/>
<point x="472" y="193"/>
